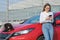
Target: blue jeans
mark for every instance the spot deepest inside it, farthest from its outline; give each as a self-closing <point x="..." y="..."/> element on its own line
<point x="47" y="29"/>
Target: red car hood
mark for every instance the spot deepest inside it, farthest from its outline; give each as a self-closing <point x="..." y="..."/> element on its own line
<point x="20" y="25"/>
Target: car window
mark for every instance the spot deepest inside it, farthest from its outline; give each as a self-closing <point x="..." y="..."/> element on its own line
<point x="57" y="18"/>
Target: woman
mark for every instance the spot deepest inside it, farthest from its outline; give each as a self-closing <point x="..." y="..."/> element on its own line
<point x="46" y="18"/>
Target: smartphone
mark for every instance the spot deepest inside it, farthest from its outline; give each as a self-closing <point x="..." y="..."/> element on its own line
<point x="50" y="15"/>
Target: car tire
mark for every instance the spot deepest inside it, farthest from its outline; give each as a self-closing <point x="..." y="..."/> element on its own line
<point x="41" y="38"/>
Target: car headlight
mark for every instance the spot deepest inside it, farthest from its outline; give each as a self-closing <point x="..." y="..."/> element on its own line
<point x="23" y="31"/>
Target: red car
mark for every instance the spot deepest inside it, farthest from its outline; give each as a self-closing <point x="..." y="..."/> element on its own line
<point x="32" y="29"/>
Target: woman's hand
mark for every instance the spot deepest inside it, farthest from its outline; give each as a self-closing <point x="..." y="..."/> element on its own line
<point x="49" y="18"/>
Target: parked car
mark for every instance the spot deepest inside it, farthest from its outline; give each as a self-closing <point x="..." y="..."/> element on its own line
<point x="31" y="29"/>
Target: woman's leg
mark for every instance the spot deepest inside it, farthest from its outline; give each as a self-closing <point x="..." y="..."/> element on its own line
<point x="51" y="32"/>
<point x="45" y="31"/>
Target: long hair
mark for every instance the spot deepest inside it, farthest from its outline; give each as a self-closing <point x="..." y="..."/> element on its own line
<point x="47" y="4"/>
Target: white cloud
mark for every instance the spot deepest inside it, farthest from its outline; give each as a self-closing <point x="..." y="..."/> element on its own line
<point x="31" y="3"/>
<point x="25" y="4"/>
<point x="52" y="2"/>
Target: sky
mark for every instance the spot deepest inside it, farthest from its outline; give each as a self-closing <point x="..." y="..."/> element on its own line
<point x="16" y="4"/>
<point x="25" y="4"/>
<point x="3" y="4"/>
<point x="20" y="4"/>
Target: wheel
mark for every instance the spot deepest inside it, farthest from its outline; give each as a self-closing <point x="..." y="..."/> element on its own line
<point x="41" y="38"/>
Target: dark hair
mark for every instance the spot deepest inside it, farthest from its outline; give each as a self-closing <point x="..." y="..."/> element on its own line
<point x="47" y="4"/>
<point x="8" y="25"/>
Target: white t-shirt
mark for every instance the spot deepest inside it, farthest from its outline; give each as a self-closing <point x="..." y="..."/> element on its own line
<point x="44" y="15"/>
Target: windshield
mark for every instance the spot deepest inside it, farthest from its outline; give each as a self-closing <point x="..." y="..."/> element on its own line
<point x="34" y="19"/>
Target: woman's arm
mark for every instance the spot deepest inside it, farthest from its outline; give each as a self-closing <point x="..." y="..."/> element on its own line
<point x="42" y="17"/>
<point x="49" y="18"/>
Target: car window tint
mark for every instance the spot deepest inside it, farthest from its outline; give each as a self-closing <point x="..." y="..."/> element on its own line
<point x="57" y="18"/>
